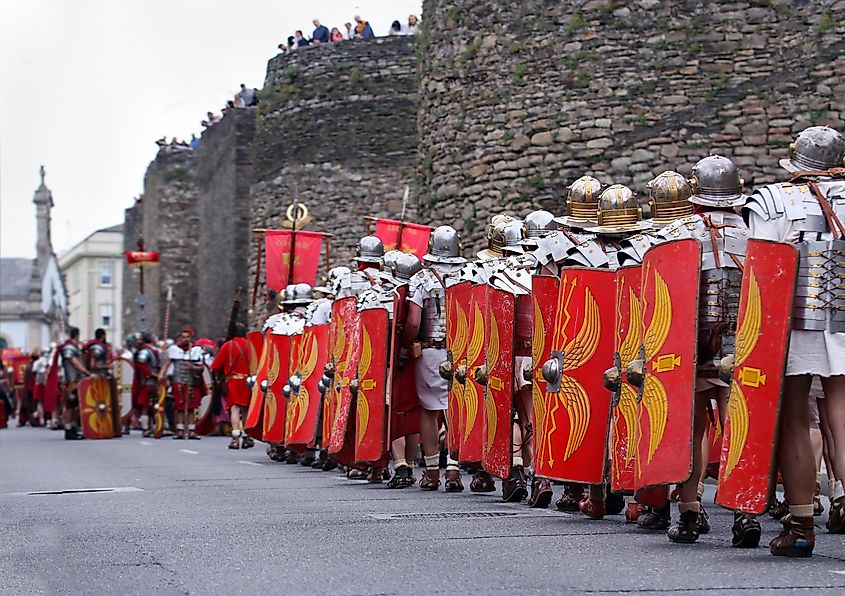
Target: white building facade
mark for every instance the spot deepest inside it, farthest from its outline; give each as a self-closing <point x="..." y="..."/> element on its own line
<point x="93" y="274"/>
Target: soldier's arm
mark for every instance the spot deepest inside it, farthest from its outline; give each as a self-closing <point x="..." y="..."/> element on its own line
<point x="165" y="364"/>
<point x="412" y="324"/>
<point x="79" y="366"/>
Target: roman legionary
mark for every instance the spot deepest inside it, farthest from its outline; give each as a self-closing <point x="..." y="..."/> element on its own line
<point x="186" y="382"/>
<point x="97" y="354"/>
<point x="809" y="212"/>
<point x="425" y="335"/>
<point x="233" y="363"/>
<point x="73" y="371"/>
<point x="146" y="360"/>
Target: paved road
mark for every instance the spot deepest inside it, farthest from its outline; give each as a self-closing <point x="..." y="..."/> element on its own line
<point x="196" y="518"/>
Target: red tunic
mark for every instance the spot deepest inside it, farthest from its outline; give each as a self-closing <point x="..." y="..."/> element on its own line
<point x="233" y="362"/>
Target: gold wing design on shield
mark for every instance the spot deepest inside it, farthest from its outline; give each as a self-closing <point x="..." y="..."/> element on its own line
<point x="576" y="353"/>
<point x="458" y="351"/>
<point x="492" y="361"/>
<point x="538" y="346"/>
<point x="654" y="398"/>
<point x="746" y="340"/>
<point x="339" y="343"/>
<point x="628" y="347"/>
<point x="476" y="344"/>
<point x="627" y="406"/>
<point x="362" y="406"/>
<point x="272" y="377"/>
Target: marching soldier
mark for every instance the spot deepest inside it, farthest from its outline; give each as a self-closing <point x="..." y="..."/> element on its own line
<point x="97" y="354"/>
<point x="425" y="334"/>
<point x="185" y="381"/>
<point x="809" y="212"/>
<point x="74" y="370"/>
<point x="147" y="362"/>
<point x="233" y="363"/>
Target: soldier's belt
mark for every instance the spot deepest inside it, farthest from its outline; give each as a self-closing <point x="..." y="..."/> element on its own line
<point x="236" y="377"/>
<point x="438" y="344"/>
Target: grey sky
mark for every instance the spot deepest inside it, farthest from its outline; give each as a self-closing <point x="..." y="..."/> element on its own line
<point x="89" y="85"/>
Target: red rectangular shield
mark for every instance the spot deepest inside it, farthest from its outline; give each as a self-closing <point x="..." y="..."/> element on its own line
<point x="457" y="340"/>
<point x="95" y="408"/>
<point x="345" y="354"/>
<point x="254" y="421"/>
<point x="574" y="434"/>
<point x="497" y="446"/>
<point x="471" y="442"/>
<point x="762" y="345"/>
<point x="275" y="406"/>
<point x="669" y="306"/>
<point x="255" y="344"/>
<point x="624" y="425"/>
<point x="309" y="354"/>
<point x="370" y="402"/>
<point x="544" y="290"/>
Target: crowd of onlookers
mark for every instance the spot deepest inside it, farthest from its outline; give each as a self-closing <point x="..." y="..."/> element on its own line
<point x="361" y="30"/>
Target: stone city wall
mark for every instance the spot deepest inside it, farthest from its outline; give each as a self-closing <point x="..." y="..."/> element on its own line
<point x="518" y="99"/>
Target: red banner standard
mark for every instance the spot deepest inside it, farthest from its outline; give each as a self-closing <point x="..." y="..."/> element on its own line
<point x="306" y="260"/>
<point x="574" y="433"/>
<point x="370" y="388"/>
<point x="471" y="441"/>
<point x="309" y="354"/>
<point x="544" y="290"/>
<point x="664" y="372"/>
<point x="278" y="361"/>
<point x="96" y="405"/>
<point x="624" y="425"/>
<point x="762" y="340"/>
<point x="141" y="258"/>
<point x="410" y="238"/>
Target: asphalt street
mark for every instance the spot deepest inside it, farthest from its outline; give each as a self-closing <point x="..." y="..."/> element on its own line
<point x="192" y="517"/>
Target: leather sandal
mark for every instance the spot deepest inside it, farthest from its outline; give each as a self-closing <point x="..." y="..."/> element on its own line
<point x="836" y="522"/>
<point x="356" y="474"/>
<point x="247" y="442"/>
<point x="797" y="538"/>
<point x="482" y="482"/>
<point x="234" y="443"/>
<point x="515" y="488"/>
<point x="746" y="531"/>
<point x="403" y="477"/>
<point x="634" y="512"/>
<point x="655" y="518"/>
<point x="686" y="530"/>
<point x="592" y="509"/>
<point x="541" y="493"/>
<point x="430" y="479"/>
<point x="375" y="476"/>
<point x="571" y="498"/>
<point x="452" y="482"/>
<point x="779" y="509"/>
<point x="818" y="508"/>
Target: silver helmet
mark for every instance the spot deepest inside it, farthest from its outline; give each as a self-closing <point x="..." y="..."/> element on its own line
<point x="668" y="197"/>
<point x="582" y="200"/>
<point x="619" y="212"/>
<point x="333" y="278"/>
<point x="370" y="250"/>
<point x="514" y="233"/>
<point x="390" y="258"/>
<point x="405" y="267"/>
<point x="816" y="148"/>
<point x="300" y="293"/>
<point x="716" y="183"/>
<point x="539" y="223"/>
<point x="444" y="246"/>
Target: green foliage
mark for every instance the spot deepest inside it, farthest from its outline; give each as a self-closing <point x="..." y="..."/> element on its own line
<point x="519" y="73"/>
<point x="826" y="23"/>
<point x="584" y="77"/>
<point x="177" y="175"/>
<point x="355" y="76"/>
<point x="536" y="181"/>
<point x="515" y="48"/>
<point x="292" y="73"/>
<point x="694" y="48"/>
<point x="470" y="224"/>
<point x="642" y="118"/>
<point x="471" y="50"/>
<point x="576" y="23"/>
<point x="508" y="136"/>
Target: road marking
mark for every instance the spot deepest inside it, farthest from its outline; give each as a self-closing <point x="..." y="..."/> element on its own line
<point x="840" y="572"/>
<point x="72" y="491"/>
<point x="145" y="443"/>
<point x="249" y="463"/>
<point x="189" y="451"/>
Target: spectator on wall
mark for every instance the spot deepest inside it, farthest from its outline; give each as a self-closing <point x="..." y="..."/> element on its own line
<point x="350" y="32"/>
<point x="299" y="41"/>
<point x="395" y="28"/>
<point x="195" y="142"/>
<point x="413" y="25"/>
<point x="337" y="35"/>
<point x="363" y="29"/>
<point x="254" y="101"/>
<point x="246" y="96"/>
<point x="321" y="33"/>
<point x="287" y="47"/>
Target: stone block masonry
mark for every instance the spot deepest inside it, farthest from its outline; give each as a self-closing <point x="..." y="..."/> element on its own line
<point x="224" y="172"/>
<point x="518" y="99"/>
<point x="336" y="128"/>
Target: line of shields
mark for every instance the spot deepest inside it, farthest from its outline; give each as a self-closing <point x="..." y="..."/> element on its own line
<point x="338" y="385"/>
<point x="614" y="368"/>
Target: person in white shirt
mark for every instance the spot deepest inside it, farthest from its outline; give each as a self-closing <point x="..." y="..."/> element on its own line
<point x="185" y="381"/>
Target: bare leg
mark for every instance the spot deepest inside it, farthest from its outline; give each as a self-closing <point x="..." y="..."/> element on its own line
<point x="430" y="432"/>
<point x="834" y="391"/>
<point x="795" y="452"/>
<point x="525" y="409"/>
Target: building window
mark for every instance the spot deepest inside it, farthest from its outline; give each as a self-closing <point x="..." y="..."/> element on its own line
<point x="106" y="315"/>
<point x="106" y="273"/>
